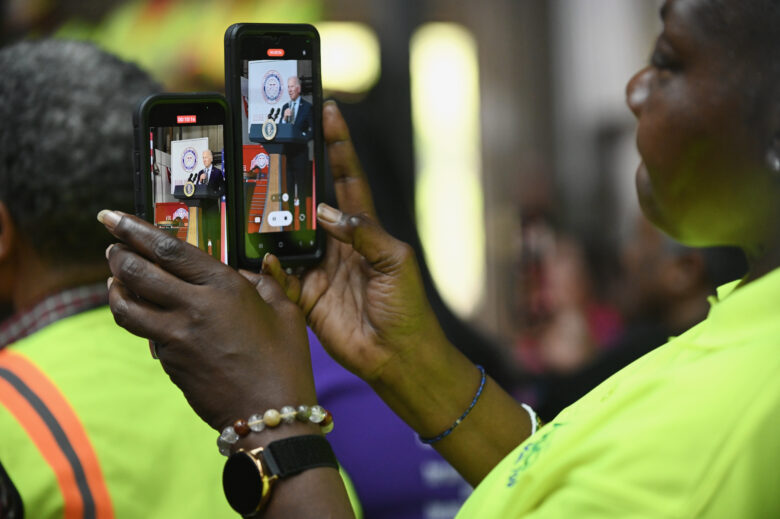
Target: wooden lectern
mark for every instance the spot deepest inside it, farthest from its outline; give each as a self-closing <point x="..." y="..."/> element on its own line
<point x="196" y="196"/>
<point x="285" y="135"/>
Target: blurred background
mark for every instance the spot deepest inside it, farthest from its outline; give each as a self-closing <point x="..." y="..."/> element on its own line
<point x="497" y="141"/>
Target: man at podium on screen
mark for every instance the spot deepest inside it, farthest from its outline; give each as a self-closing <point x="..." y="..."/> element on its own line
<point x="298" y="112"/>
<point x="212" y="218"/>
<point x="211" y="174"/>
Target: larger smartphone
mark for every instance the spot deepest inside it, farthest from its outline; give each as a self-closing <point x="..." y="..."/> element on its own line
<point x="272" y="80"/>
<point x="183" y="169"/>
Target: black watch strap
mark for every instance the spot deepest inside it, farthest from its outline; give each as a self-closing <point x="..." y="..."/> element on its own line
<point x="249" y="475"/>
<point x="292" y="456"/>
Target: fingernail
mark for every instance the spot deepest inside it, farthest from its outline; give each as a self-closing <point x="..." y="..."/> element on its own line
<point x="108" y="218"/>
<point x="109" y="282"/>
<point x="108" y="250"/>
<point x="327" y="213"/>
<point x="264" y="264"/>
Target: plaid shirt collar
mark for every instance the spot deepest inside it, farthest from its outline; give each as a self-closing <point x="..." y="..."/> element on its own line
<point x="50" y="310"/>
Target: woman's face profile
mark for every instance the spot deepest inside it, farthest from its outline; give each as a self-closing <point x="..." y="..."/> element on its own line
<point x="702" y="159"/>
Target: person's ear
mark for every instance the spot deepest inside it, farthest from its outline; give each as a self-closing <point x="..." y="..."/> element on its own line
<point x="7" y="233"/>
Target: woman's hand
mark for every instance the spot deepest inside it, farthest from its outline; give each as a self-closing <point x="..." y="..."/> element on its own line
<point x="367" y="305"/>
<point x="233" y="347"/>
<point x="366" y="300"/>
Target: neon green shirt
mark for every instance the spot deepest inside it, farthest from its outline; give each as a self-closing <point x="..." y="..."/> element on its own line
<point x="691" y="429"/>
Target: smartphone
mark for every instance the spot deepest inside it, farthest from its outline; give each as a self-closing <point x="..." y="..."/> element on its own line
<point x="273" y="85"/>
<point x="183" y="169"/>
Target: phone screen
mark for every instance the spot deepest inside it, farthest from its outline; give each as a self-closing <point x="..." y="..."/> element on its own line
<point x="281" y="106"/>
<point x="188" y="180"/>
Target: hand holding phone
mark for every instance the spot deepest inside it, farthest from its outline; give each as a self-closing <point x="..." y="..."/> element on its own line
<point x="183" y="159"/>
<point x="272" y="79"/>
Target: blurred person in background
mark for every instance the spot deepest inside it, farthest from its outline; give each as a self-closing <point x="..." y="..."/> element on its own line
<point x="565" y="316"/>
<point x="665" y="289"/>
<point x="566" y="322"/>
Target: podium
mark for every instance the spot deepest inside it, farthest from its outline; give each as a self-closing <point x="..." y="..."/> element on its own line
<point x="200" y="197"/>
<point x="286" y="136"/>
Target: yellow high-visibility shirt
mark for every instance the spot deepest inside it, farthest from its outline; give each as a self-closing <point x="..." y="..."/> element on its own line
<point x="691" y="429"/>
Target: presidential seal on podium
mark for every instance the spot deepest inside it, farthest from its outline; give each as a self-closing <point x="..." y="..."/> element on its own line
<point x="269" y="129"/>
<point x="189" y="188"/>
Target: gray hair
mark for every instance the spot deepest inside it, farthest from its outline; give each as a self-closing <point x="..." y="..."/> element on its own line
<point x="66" y="143"/>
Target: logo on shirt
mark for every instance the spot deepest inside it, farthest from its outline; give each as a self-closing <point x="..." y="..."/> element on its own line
<point x="530" y="452"/>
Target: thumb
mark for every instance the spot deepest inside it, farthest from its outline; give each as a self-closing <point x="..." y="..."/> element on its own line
<point x="366" y="236"/>
<point x="272" y="267"/>
<point x="267" y="286"/>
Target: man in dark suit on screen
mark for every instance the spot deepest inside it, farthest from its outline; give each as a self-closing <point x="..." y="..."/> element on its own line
<point x="211" y="174"/>
<point x="212" y="219"/>
<point x="298" y="112"/>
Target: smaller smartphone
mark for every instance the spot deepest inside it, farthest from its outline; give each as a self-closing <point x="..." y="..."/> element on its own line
<point x="273" y="85"/>
<point x="183" y="169"/>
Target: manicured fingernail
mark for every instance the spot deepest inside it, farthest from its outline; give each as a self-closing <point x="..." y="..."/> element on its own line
<point x="108" y="218"/>
<point x="264" y="264"/>
<point x="108" y="250"/>
<point x="327" y="213"/>
<point x="109" y="282"/>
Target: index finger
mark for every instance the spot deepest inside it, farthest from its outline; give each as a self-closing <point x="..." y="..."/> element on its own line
<point x="352" y="191"/>
<point x="173" y="255"/>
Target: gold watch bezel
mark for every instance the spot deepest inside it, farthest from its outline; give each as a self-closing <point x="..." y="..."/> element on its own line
<point x="257" y="459"/>
<point x="268" y="481"/>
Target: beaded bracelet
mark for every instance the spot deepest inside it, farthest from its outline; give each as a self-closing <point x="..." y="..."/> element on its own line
<point x="465" y="413"/>
<point x="271" y="418"/>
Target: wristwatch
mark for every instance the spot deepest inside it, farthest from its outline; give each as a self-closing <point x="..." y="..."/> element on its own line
<point x="249" y="475"/>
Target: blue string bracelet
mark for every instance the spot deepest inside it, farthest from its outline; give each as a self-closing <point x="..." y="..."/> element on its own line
<point x="465" y="413"/>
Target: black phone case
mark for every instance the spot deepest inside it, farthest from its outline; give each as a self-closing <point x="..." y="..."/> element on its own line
<point x="141" y="155"/>
<point x="233" y="35"/>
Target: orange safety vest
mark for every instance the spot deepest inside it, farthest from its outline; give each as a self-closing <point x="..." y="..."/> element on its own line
<point x="91" y="427"/>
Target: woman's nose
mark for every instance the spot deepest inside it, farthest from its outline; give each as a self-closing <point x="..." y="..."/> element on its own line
<point x="638" y="89"/>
